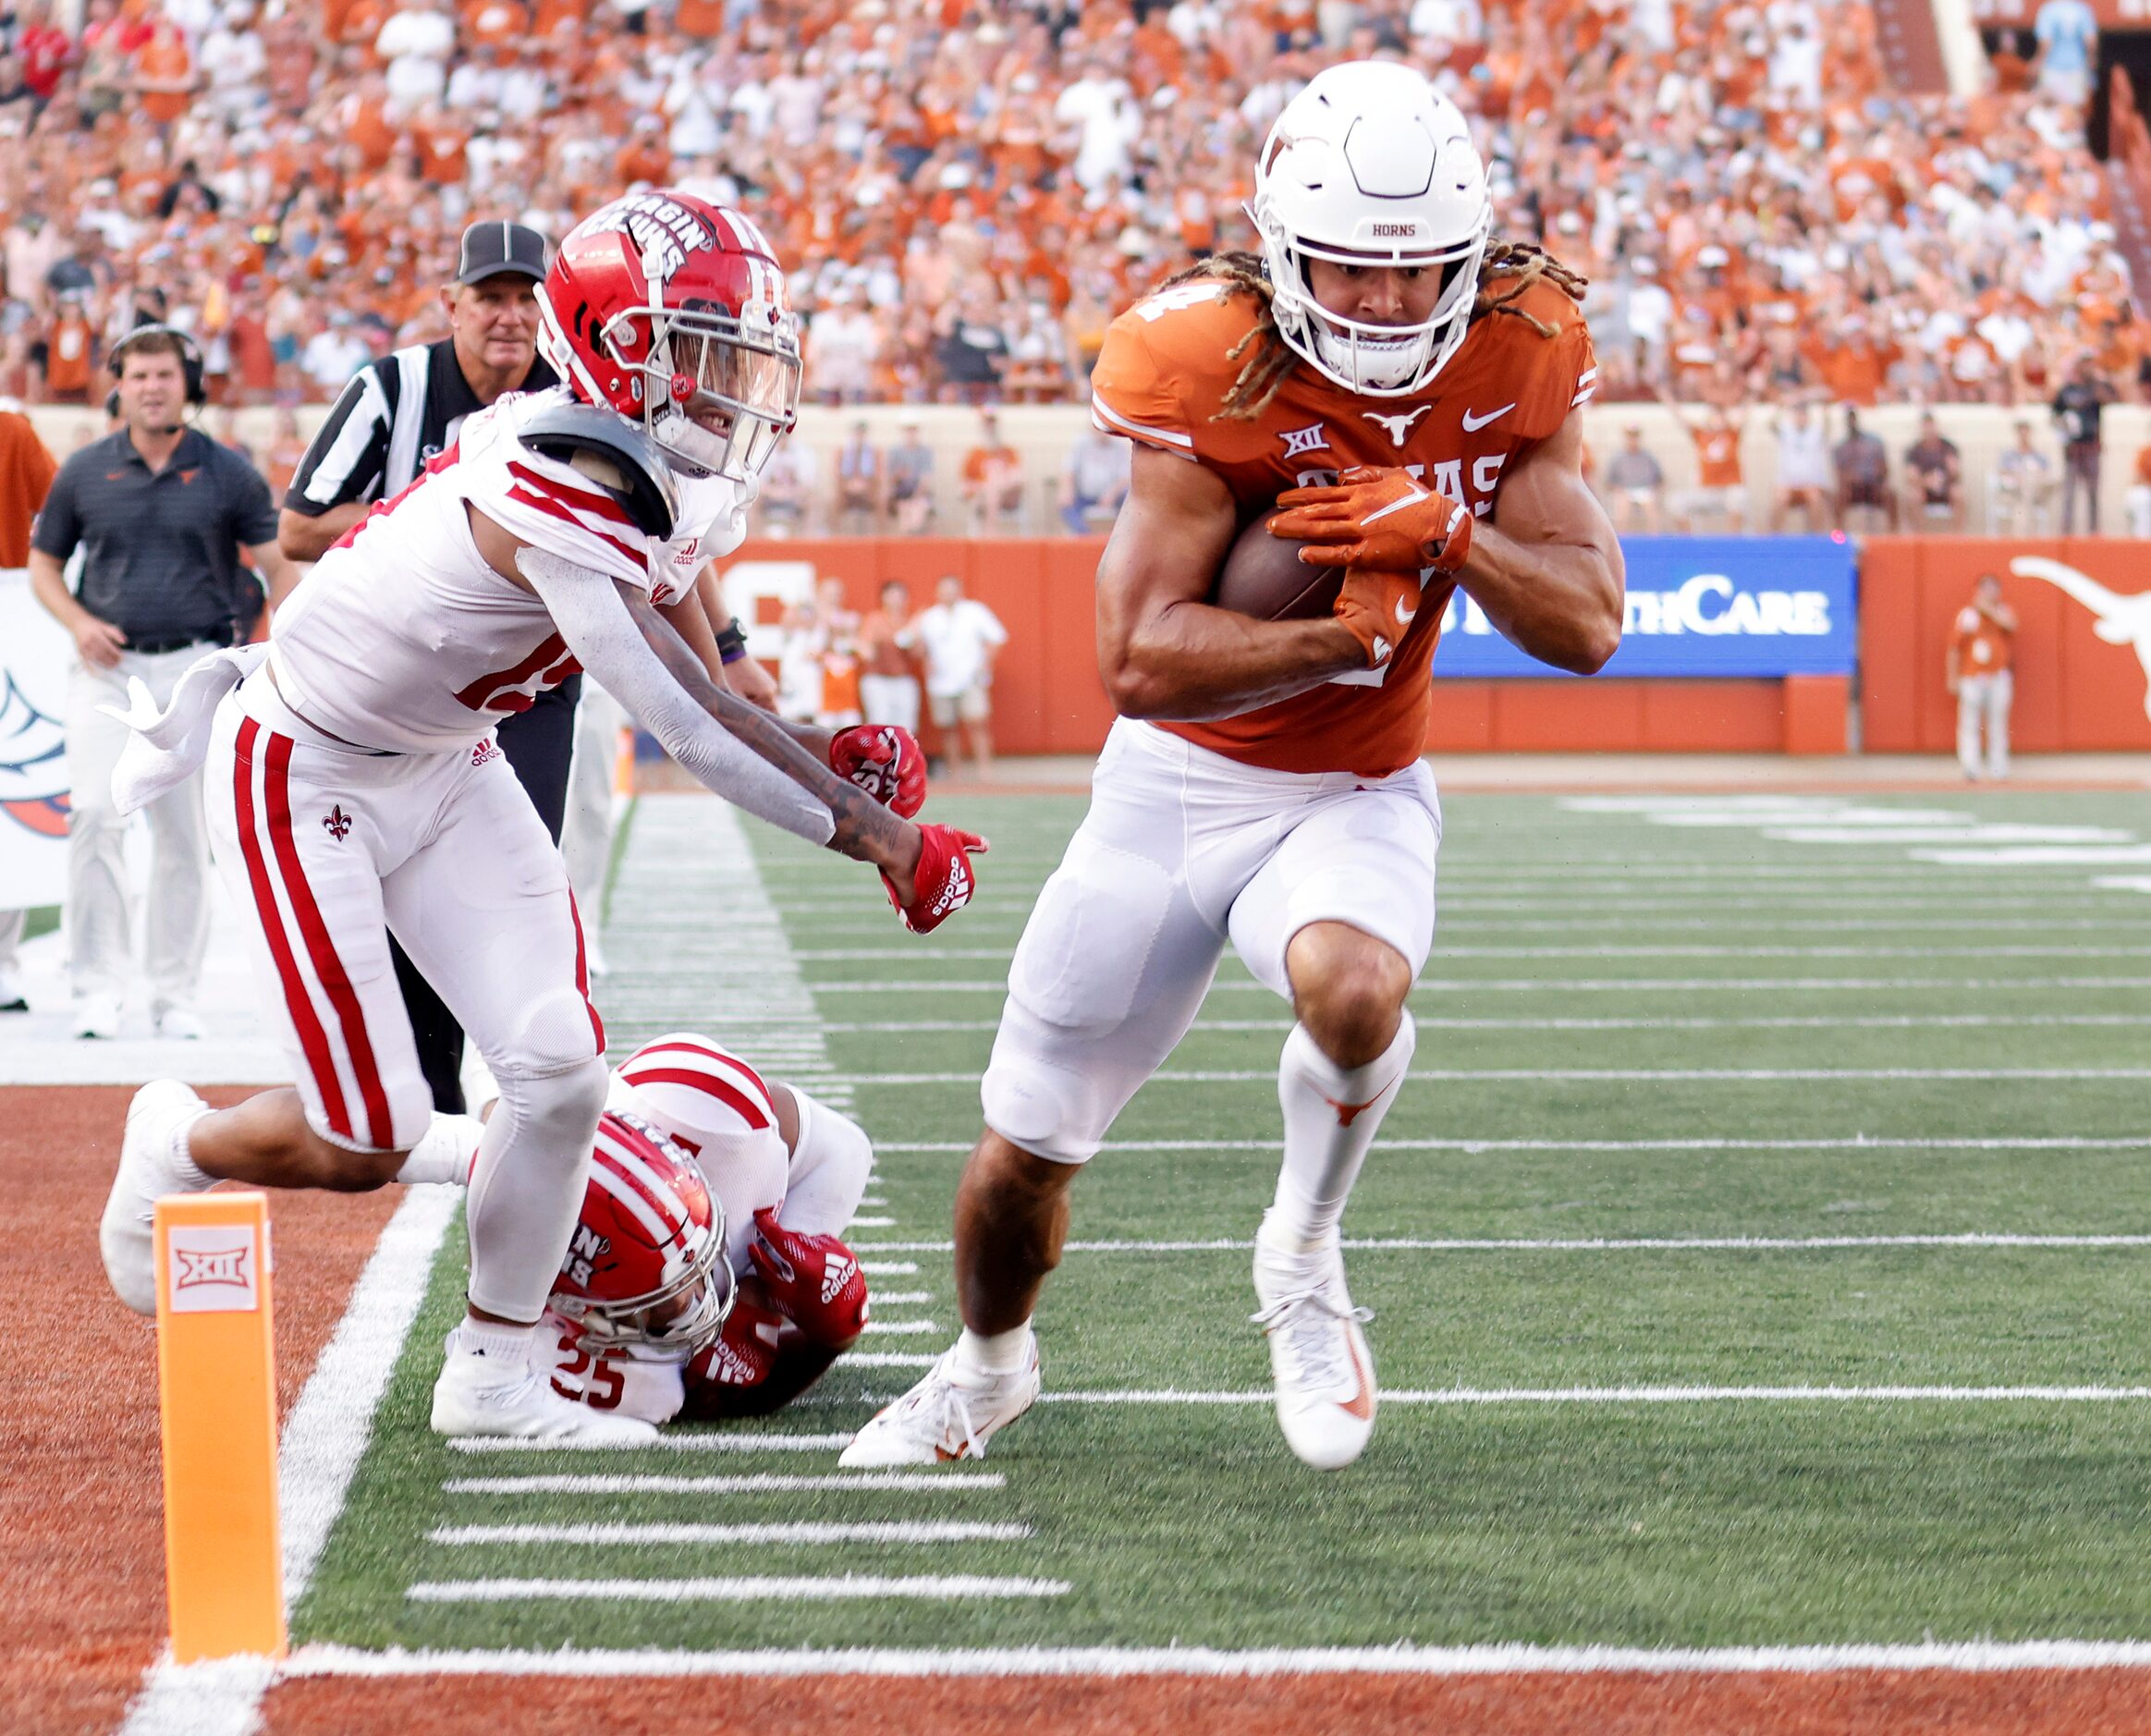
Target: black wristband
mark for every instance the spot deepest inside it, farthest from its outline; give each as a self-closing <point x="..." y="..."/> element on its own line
<point x="731" y="641"/>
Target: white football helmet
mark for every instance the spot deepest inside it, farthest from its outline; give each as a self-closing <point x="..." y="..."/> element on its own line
<point x="1370" y="164"/>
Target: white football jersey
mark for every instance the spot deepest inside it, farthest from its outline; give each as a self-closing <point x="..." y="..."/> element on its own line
<point x="405" y="639"/>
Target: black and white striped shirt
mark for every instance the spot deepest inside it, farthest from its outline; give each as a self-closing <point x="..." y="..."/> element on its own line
<point x="393" y="415"/>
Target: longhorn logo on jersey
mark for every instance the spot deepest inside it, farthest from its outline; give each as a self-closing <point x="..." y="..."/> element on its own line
<point x="1399" y="428"/>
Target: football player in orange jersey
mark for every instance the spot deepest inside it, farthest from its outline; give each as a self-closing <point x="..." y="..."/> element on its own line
<point x="1406" y="397"/>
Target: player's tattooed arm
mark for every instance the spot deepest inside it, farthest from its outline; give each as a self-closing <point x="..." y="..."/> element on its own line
<point x="1547" y="567"/>
<point x="1163" y="652"/>
<point x="866" y="829"/>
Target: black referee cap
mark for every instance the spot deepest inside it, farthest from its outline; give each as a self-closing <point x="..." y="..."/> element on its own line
<point x="491" y="250"/>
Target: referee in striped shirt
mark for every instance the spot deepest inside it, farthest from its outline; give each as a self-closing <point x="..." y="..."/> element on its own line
<point x="396" y="414"/>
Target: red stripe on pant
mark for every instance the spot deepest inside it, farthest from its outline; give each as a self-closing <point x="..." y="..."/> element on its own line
<point x="313" y="1040"/>
<point x="320" y="949"/>
<point x="582" y="976"/>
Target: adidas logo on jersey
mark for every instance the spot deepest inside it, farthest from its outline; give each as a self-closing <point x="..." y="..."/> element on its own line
<point x="835" y="1276"/>
<point x="486" y="749"/>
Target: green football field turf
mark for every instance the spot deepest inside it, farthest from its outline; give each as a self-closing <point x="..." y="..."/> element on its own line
<point x="1871" y="1049"/>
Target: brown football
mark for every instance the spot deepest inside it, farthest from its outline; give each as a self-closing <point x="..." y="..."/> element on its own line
<point x="1264" y="576"/>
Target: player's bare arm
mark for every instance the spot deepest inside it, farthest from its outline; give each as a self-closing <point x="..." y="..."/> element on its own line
<point x="1162" y="651"/>
<point x="268" y="560"/>
<point x="1547" y="568"/>
<point x="302" y="538"/>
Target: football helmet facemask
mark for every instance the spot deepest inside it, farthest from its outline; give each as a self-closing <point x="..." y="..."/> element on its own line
<point x="1371" y="165"/>
<point x="646" y="1263"/>
<point x="672" y="311"/>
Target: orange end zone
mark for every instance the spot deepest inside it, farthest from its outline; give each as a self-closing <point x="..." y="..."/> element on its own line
<point x="1865" y="1702"/>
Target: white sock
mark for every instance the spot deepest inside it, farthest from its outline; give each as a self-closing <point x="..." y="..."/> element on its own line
<point x="444" y="1151"/>
<point x="496" y="1339"/>
<point x="994" y="1352"/>
<point x="1332" y="1114"/>
<point x="179" y="1157"/>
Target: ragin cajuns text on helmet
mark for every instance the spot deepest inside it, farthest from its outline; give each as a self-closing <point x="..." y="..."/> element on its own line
<point x="672" y="313"/>
<point x="646" y="1262"/>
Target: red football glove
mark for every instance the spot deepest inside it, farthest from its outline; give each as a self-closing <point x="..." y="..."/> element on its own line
<point x="945" y="881"/>
<point x="815" y="1281"/>
<point x="1379" y="519"/>
<point x="1377" y="608"/>
<point x="884" y="760"/>
<point x="745" y="1351"/>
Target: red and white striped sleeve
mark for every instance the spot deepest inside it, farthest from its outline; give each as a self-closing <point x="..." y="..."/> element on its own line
<point x="556" y="508"/>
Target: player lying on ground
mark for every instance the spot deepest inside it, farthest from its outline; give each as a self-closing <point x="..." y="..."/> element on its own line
<point x="1415" y="396"/>
<point x="706" y="1277"/>
<point x="355" y="786"/>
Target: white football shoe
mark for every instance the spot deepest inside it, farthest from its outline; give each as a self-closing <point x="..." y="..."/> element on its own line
<point x="149" y="1168"/>
<point x="96" y="1017"/>
<point x="950" y="1414"/>
<point x="1318" y="1356"/>
<point x="507" y="1396"/>
<point x="181" y="1024"/>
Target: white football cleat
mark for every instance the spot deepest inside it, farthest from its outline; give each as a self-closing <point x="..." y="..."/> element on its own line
<point x="493" y="1396"/>
<point x="97" y="1016"/>
<point x="950" y="1414"/>
<point x="148" y="1171"/>
<point x="1318" y="1356"/>
<point x="181" y="1024"/>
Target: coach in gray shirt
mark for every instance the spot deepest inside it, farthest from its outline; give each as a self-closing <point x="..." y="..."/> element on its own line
<point x="160" y="513"/>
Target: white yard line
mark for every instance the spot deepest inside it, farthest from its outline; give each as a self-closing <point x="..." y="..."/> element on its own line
<point x="903" y="1329"/>
<point x="1565" y="984"/>
<point x="565" y="1482"/>
<point x="808" y="1534"/>
<point x="324" y="1437"/>
<point x="890" y="1359"/>
<point x="1581" y="1075"/>
<point x="938" y="1587"/>
<point x="1654" y="1395"/>
<point x="1977" y="1657"/>
<point x="674" y="1441"/>
<point x="911" y="955"/>
<point x="1848" y="1021"/>
<point x="892" y="1269"/>
<point x="1856" y="1141"/>
<point x="1607" y="1244"/>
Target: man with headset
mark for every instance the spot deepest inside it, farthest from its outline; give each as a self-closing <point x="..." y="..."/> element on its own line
<point x="161" y="513"/>
<point x="394" y="416"/>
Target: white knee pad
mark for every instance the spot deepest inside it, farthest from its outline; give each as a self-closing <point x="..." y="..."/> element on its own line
<point x="527" y="1186"/>
<point x="1050" y="1092"/>
<point x="830" y="1162"/>
<point x="555" y="1033"/>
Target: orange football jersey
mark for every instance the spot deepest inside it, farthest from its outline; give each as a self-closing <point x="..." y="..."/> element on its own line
<point x="1164" y="372"/>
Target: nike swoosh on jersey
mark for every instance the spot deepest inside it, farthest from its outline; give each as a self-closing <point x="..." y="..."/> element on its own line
<point x="1474" y="423"/>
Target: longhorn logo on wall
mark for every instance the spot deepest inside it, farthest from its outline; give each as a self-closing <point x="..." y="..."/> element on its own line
<point x="2118" y="619"/>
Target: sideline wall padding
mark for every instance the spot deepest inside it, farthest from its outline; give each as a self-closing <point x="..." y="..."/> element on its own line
<point x="2075" y="693"/>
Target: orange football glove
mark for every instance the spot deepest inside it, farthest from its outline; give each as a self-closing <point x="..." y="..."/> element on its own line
<point x="1377" y="608"/>
<point x="1379" y="519"/>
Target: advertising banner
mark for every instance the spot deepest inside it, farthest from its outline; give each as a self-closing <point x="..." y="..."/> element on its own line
<point x="35" y="655"/>
<point x="1700" y="606"/>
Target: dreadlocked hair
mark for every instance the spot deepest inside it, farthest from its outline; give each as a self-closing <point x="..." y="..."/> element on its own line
<point x="1520" y="263"/>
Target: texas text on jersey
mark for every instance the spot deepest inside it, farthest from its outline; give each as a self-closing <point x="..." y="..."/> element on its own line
<point x="406" y="640"/>
<point x="1168" y="364"/>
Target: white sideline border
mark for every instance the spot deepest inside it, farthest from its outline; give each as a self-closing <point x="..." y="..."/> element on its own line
<point x="1974" y="1657"/>
<point x="324" y="1437"/>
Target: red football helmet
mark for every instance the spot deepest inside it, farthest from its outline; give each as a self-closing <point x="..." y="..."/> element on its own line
<point x="672" y="313"/>
<point x="646" y="1264"/>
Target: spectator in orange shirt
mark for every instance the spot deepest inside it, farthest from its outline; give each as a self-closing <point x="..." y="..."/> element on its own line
<point x="1720" y="488"/>
<point x="993" y="478"/>
<point x="888" y="685"/>
<point x="1981" y="655"/>
<point x="164" y="74"/>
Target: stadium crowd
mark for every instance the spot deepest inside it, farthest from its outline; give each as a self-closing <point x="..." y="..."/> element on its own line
<point x="967" y="191"/>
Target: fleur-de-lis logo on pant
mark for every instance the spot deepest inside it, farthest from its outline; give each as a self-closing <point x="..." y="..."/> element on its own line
<point x="337" y="822"/>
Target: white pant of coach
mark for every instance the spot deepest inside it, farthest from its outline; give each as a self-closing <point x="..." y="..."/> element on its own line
<point x="1984" y="700"/>
<point x="890" y="699"/>
<point x="176" y="906"/>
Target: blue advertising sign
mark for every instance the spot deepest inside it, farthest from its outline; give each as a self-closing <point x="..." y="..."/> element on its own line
<point x="1700" y="606"/>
